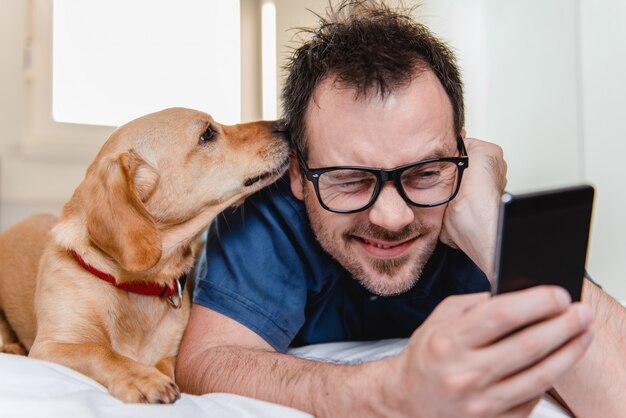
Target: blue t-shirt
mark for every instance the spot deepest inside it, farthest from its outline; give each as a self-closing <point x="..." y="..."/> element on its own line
<point x="264" y="268"/>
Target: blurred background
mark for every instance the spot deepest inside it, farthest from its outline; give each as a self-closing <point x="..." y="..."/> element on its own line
<point x="544" y="79"/>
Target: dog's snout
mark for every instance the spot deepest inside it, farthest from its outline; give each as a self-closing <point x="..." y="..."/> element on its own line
<point x="279" y="127"/>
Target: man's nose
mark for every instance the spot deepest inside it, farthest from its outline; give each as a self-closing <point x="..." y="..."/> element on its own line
<point x="390" y="210"/>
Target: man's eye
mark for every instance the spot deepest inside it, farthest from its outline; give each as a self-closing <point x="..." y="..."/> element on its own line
<point x="208" y="135"/>
<point x="426" y="174"/>
<point x="353" y="185"/>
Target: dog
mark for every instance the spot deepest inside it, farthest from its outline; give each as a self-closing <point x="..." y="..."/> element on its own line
<point x="107" y="297"/>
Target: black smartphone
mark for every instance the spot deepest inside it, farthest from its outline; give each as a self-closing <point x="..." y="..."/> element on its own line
<point x="542" y="239"/>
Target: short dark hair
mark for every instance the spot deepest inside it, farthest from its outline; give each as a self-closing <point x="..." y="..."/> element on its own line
<point x="370" y="46"/>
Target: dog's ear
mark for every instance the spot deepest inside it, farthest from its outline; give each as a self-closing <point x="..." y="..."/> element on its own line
<point x="117" y="220"/>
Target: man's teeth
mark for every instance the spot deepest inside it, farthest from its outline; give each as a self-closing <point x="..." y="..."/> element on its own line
<point x="375" y="244"/>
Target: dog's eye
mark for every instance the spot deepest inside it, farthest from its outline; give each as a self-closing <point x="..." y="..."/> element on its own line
<point x="208" y="135"/>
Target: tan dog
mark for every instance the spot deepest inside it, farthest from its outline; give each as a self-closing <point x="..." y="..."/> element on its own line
<point x="136" y="220"/>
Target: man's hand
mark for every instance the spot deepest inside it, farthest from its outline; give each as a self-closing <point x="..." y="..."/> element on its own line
<point x="477" y="356"/>
<point x="471" y="218"/>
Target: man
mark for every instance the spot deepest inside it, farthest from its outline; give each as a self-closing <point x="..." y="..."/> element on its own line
<point x="351" y="247"/>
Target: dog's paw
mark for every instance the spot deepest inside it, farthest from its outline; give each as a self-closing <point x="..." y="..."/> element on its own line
<point x="13" y="348"/>
<point x="147" y="386"/>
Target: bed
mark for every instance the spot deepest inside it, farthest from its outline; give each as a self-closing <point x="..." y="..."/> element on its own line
<point x="31" y="388"/>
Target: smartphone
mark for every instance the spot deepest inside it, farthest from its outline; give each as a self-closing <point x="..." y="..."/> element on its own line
<point x="542" y="239"/>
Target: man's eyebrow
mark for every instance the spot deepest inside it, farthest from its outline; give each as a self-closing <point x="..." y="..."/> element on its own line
<point x="438" y="153"/>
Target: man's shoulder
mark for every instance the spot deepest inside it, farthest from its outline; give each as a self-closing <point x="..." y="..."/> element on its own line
<point x="273" y="225"/>
<point x="277" y="200"/>
<point x="260" y="264"/>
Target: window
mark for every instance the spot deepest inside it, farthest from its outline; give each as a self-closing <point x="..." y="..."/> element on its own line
<point x="92" y="65"/>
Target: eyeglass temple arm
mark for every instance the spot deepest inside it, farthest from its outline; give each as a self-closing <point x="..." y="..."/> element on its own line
<point x="461" y="146"/>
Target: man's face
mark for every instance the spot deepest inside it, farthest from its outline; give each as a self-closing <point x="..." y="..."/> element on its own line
<point x="386" y="246"/>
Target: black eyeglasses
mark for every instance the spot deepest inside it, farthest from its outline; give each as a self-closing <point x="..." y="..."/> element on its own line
<point x="425" y="183"/>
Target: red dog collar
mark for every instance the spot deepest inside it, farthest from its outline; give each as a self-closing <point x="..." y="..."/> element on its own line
<point x="173" y="292"/>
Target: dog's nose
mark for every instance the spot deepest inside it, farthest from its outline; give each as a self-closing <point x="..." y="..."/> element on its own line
<point x="279" y="127"/>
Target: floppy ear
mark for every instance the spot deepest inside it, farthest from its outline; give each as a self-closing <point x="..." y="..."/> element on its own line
<point x="117" y="220"/>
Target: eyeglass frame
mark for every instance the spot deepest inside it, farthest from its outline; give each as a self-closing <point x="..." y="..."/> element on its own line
<point x="384" y="175"/>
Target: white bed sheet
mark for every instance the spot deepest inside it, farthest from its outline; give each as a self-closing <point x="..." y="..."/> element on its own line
<point x="31" y="388"/>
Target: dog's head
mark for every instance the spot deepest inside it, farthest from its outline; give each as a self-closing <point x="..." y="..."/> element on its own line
<point x="172" y="170"/>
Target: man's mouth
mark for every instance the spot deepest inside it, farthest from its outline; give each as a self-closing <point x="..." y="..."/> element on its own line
<point x="385" y="249"/>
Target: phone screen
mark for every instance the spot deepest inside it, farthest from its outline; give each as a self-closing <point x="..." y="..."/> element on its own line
<point x="542" y="239"/>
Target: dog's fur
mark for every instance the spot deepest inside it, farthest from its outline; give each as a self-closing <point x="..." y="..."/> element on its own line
<point x="138" y="216"/>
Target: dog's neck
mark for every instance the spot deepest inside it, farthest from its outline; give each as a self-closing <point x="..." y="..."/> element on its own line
<point x="176" y="261"/>
<point x="173" y="234"/>
<point x="171" y="292"/>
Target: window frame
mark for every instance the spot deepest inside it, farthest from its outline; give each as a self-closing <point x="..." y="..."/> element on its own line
<point x="45" y="138"/>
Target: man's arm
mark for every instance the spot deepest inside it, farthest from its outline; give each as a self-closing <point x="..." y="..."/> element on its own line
<point x="595" y="387"/>
<point x="463" y="361"/>
<point x="220" y="355"/>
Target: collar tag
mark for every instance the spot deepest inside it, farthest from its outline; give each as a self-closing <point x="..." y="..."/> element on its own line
<point x="176" y="299"/>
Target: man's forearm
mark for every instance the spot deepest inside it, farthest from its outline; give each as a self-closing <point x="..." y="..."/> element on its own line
<point x="322" y="389"/>
<point x="596" y="385"/>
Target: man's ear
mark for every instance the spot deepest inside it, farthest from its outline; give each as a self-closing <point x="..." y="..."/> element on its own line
<point x="296" y="179"/>
<point x="463" y="133"/>
<point x="117" y="220"/>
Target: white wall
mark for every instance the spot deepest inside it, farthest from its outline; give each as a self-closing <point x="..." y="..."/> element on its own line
<point x="603" y="102"/>
<point x="543" y="78"/>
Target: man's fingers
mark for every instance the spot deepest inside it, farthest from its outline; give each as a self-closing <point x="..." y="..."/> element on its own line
<point x="536" y="380"/>
<point x="531" y="344"/>
<point x="503" y="314"/>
